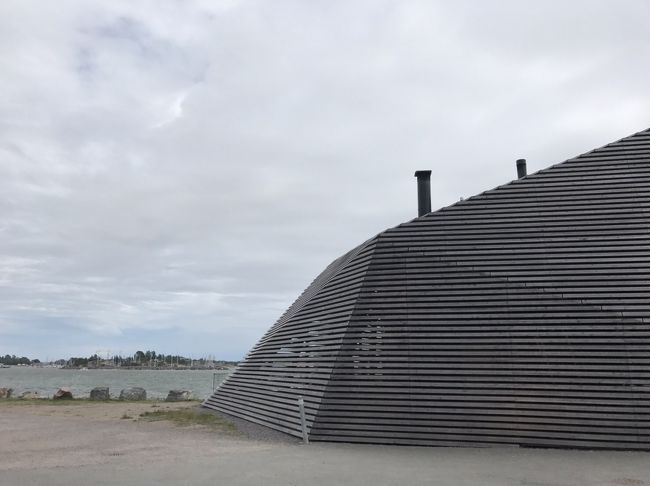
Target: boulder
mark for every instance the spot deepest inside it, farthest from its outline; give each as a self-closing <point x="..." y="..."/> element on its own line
<point x="6" y="392"/>
<point x="133" y="393"/>
<point x="100" y="393"/>
<point x="30" y="395"/>
<point x="63" y="393"/>
<point x="178" y="395"/>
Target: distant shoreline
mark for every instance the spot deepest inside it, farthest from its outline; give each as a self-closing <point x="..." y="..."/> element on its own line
<point x="128" y="368"/>
<point x="149" y="368"/>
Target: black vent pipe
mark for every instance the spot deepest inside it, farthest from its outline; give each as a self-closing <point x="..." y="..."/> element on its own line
<point x="424" y="191"/>
<point x="521" y="168"/>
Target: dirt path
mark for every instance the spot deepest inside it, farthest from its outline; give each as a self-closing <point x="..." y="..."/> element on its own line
<point x="72" y="435"/>
<point x="91" y="443"/>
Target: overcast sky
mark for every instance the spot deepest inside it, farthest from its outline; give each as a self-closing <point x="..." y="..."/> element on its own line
<point x="174" y="173"/>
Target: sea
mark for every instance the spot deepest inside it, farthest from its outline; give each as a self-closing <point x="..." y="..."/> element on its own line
<point x="157" y="383"/>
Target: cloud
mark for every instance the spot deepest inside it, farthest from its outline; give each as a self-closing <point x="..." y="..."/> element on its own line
<point x="172" y="110"/>
<point x="177" y="172"/>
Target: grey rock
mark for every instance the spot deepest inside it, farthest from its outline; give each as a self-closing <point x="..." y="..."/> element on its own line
<point x="30" y="395"/>
<point x="6" y="392"/>
<point x="133" y="393"/>
<point x="63" y="393"/>
<point x="100" y="393"/>
<point x="178" y="395"/>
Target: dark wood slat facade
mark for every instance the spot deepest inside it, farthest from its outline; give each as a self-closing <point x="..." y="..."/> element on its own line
<point x="517" y="317"/>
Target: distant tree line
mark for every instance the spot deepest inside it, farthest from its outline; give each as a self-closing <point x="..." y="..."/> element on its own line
<point x="139" y="359"/>
<point x="15" y="360"/>
<point x="145" y="359"/>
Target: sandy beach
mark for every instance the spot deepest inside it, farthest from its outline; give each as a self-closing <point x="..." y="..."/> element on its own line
<point x="112" y="443"/>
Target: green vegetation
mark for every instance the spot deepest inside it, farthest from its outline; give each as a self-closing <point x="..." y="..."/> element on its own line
<point x="49" y="401"/>
<point x="15" y="360"/>
<point x="141" y="359"/>
<point x="190" y="416"/>
<point x="146" y="359"/>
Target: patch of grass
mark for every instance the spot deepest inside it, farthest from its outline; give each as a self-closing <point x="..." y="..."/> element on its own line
<point x="190" y="416"/>
<point x="126" y="416"/>
<point x="46" y="401"/>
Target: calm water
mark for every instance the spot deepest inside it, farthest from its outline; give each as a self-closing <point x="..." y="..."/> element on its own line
<point x="156" y="382"/>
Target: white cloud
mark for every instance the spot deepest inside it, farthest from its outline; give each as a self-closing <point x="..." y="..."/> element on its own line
<point x="172" y="111"/>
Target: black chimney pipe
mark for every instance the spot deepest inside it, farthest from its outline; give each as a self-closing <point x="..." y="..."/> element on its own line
<point x="424" y="191"/>
<point x="521" y="168"/>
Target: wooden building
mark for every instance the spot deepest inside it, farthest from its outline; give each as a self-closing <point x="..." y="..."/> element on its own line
<point x="520" y="316"/>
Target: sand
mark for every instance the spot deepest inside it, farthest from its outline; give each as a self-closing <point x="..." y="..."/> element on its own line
<point x="43" y="436"/>
<point x="93" y="443"/>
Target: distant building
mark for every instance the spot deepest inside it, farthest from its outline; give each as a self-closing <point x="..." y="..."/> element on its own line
<point x="520" y="316"/>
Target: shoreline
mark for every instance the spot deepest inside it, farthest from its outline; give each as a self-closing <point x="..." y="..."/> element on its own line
<point x="143" y="368"/>
<point x="156" y="382"/>
<point x="85" y="400"/>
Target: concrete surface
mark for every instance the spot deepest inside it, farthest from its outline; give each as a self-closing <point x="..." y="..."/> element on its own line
<point x="52" y="446"/>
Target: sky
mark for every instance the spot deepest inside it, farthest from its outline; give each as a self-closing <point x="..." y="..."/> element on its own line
<point x="174" y="173"/>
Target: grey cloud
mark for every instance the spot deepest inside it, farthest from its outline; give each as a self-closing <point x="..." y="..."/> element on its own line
<point x="177" y="172"/>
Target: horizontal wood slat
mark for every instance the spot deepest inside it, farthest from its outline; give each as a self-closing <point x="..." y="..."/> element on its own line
<point x="520" y="317"/>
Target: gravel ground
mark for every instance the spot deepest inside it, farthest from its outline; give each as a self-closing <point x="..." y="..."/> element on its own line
<point x="254" y="431"/>
<point x="90" y="443"/>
